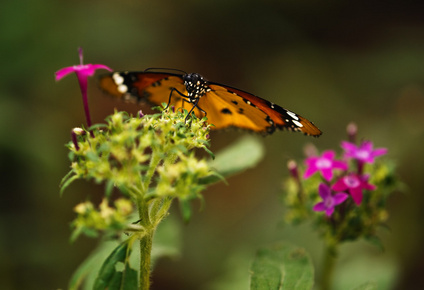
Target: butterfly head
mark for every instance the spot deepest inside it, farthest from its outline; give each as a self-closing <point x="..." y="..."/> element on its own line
<point x="196" y="85"/>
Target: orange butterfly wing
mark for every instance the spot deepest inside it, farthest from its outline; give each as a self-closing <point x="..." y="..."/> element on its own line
<point x="151" y="87"/>
<point x="139" y="86"/>
<point x="225" y="106"/>
<point x="262" y="112"/>
<point x="225" y="109"/>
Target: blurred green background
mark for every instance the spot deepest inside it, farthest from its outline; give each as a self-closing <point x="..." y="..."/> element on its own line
<point x="330" y="61"/>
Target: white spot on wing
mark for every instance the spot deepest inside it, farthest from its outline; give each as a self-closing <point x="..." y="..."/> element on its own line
<point x="293" y="115"/>
<point x="118" y="79"/>
<point x="298" y="124"/>
<point x="122" y="89"/>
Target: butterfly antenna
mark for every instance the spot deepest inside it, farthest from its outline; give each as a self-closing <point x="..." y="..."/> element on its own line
<point x="165" y="69"/>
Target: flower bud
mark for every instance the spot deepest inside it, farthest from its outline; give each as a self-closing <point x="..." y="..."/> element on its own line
<point x="352" y="131"/>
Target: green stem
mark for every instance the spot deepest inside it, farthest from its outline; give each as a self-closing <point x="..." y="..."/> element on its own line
<point x="154" y="162"/>
<point x="145" y="259"/>
<point x="146" y="241"/>
<point x="150" y="218"/>
<point x="159" y="209"/>
<point x="329" y="263"/>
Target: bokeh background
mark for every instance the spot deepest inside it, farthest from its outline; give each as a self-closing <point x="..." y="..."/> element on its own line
<point x="331" y="61"/>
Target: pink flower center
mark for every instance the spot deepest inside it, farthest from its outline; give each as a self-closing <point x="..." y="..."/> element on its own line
<point x="352" y="181"/>
<point x="323" y="163"/>
<point x="329" y="202"/>
<point x="81" y="67"/>
<point x="362" y="154"/>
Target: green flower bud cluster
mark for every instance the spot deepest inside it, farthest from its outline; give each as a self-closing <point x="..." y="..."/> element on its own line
<point x="149" y="159"/>
<point x="91" y="220"/>
<point x="179" y="179"/>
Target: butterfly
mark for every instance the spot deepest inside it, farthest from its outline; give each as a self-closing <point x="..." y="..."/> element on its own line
<point x="224" y="106"/>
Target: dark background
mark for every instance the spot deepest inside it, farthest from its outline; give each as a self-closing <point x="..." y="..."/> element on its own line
<point x="331" y="61"/>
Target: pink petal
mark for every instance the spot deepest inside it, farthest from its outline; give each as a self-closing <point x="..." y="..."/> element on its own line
<point x="88" y="70"/>
<point x="340" y="185"/>
<point x="324" y="191"/>
<point x="101" y="66"/>
<point x="85" y="70"/>
<point x="320" y="206"/>
<point x="327" y="173"/>
<point x="339" y="165"/>
<point x="309" y="171"/>
<point x="329" y="154"/>
<point x="339" y="198"/>
<point x="379" y="151"/>
<point x="347" y="146"/>
<point x="365" y="177"/>
<point x="366" y="145"/>
<point x="64" y="72"/>
<point x="311" y="160"/>
<point x="329" y="211"/>
<point x="368" y="186"/>
<point x="356" y="194"/>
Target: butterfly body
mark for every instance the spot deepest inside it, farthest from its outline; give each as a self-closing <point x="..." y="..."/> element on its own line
<point x="196" y="85"/>
<point x="223" y="105"/>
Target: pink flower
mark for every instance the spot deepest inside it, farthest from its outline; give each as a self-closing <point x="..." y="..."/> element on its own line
<point x="83" y="71"/>
<point x="364" y="153"/>
<point x="354" y="184"/>
<point x="292" y="166"/>
<point x="325" y="163"/>
<point x="329" y="201"/>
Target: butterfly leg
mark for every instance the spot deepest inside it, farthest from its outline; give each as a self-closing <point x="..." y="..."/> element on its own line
<point x="170" y="95"/>
<point x="191" y="101"/>
<point x="194" y="106"/>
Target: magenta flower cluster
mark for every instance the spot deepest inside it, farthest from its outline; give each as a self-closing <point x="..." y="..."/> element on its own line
<point x="349" y="183"/>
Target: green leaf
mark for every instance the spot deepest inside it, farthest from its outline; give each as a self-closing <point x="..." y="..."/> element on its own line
<point x="167" y="241"/>
<point x="97" y="126"/>
<point x="78" y="231"/>
<point x="92" y="156"/>
<point x="109" y="187"/>
<point x="282" y="266"/>
<point x="85" y="274"/>
<point x="212" y="178"/>
<point x="116" y="272"/>
<point x="376" y="241"/>
<point x="185" y="209"/>
<point x="209" y="152"/>
<point x="67" y="180"/>
<point x="241" y="155"/>
<point x="382" y="270"/>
